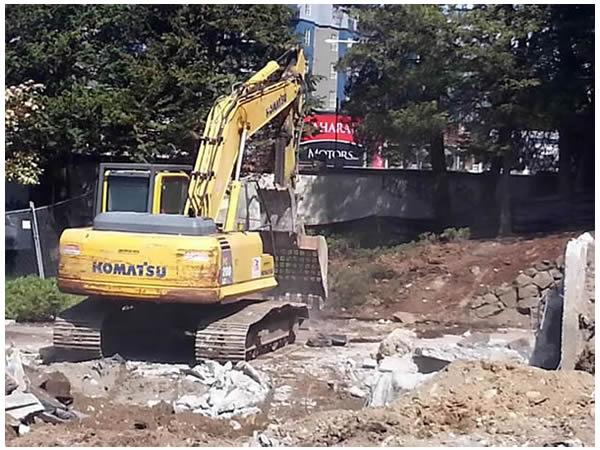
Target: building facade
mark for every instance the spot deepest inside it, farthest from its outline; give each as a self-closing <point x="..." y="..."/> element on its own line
<point x="327" y="32"/>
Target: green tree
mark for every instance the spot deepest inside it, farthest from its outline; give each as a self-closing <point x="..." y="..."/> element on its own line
<point x="135" y="81"/>
<point x="562" y="51"/>
<point x="499" y="86"/>
<point x="401" y="84"/>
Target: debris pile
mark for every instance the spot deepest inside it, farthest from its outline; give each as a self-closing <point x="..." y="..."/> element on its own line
<point x="233" y="391"/>
<point x="566" y="329"/>
<point x="469" y="403"/>
<point x="31" y="398"/>
<point x="524" y="293"/>
<point x="404" y="363"/>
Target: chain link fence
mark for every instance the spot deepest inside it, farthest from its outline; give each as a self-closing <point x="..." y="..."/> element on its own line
<point x="20" y="250"/>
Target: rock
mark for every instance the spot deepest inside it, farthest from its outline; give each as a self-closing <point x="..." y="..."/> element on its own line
<point x="140" y="425"/>
<point x="489" y="309"/>
<point x="523" y="280"/>
<point x="475" y="270"/>
<point x="509" y="298"/>
<point x="398" y="342"/>
<point x="556" y="274"/>
<point x="58" y="386"/>
<point x="543" y="266"/>
<point x="404" y="317"/>
<point x="235" y="424"/>
<point x="262" y="440"/>
<point x="526" y="304"/>
<point x="560" y="261"/>
<point x="23" y="429"/>
<point x="319" y="341"/>
<point x="477" y="302"/>
<point x="528" y="292"/>
<point x="247" y="369"/>
<point x="543" y="280"/>
<point x="530" y="272"/>
<point x="355" y="391"/>
<point x="503" y="289"/>
<point x="338" y="340"/>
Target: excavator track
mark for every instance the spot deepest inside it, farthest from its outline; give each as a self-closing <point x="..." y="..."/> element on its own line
<point x="240" y="331"/>
<point x="257" y="328"/>
<point x="77" y="331"/>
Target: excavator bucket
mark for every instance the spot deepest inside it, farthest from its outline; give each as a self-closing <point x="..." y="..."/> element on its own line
<point x="300" y="259"/>
<point x="300" y="266"/>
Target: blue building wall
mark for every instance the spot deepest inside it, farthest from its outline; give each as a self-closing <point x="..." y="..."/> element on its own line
<point x="324" y="21"/>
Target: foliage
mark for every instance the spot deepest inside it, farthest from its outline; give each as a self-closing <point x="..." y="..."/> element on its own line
<point x="401" y="76"/>
<point x="21" y="111"/>
<point x="455" y="234"/>
<point x="135" y="81"/>
<point x="448" y="235"/>
<point x="34" y="299"/>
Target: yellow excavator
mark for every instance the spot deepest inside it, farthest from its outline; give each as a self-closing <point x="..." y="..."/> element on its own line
<point x="168" y="264"/>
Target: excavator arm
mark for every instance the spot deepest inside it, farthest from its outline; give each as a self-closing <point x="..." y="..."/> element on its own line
<point x="276" y="89"/>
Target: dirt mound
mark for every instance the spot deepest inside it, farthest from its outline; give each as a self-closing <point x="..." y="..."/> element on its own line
<point x="489" y="400"/>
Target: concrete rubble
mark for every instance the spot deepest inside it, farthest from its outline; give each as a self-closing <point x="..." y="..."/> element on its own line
<point x="28" y="399"/>
<point x="233" y="391"/>
<point x="409" y="362"/>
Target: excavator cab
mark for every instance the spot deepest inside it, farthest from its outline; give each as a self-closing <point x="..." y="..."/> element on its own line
<point x="149" y="188"/>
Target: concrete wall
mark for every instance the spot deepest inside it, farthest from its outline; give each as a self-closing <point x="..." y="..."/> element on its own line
<point x="404" y="198"/>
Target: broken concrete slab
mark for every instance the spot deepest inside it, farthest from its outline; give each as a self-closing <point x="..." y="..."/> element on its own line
<point x="428" y="357"/>
<point x="394" y="363"/>
<point x="19" y="405"/>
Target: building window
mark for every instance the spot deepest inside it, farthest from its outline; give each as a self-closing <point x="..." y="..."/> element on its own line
<point x="334" y="43"/>
<point x="332" y="72"/>
<point x="307" y="37"/>
<point x="307" y="10"/>
<point x="332" y="100"/>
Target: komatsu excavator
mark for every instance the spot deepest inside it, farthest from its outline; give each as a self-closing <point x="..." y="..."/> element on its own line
<point x="163" y="266"/>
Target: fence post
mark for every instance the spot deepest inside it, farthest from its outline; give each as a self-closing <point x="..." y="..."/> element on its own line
<point x="36" y="241"/>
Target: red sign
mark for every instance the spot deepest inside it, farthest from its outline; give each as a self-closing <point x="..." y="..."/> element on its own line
<point x="331" y="128"/>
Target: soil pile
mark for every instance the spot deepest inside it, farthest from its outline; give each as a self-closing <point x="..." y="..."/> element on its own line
<point x="499" y="403"/>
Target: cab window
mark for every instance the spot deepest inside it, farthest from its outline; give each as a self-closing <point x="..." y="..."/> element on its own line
<point x="173" y="195"/>
<point x="127" y="193"/>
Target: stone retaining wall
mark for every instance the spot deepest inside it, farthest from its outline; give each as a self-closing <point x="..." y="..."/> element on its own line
<point x="524" y="293"/>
